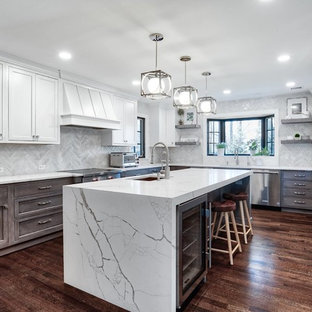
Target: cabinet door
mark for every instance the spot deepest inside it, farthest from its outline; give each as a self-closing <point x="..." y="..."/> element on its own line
<point x="118" y="135"/>
<point x="46" y="109"/>
<point x="130" y="122"/>
<point x="1" y="101"/>
<point x="4" y="217"/>
<point x="21" y="114"/>
<point x="170" y="127"/>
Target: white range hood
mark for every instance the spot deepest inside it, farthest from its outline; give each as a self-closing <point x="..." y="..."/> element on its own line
<point x="87" y="107"/>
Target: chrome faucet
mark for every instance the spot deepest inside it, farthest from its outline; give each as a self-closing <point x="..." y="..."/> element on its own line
<point x="236" y="156"/>
<point x="167" y="169"/>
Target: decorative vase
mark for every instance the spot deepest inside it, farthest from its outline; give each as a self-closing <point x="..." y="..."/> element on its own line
<point x="220" y="151"/>
<point x="297" y="138"/>
<point x="252" y="152"/>
<point x="181" y="122"/>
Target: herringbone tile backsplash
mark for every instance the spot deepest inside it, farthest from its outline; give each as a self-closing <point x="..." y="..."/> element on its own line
<point x="79" y="148"/>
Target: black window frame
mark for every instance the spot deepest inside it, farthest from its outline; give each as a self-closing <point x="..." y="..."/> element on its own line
<point x="141" y="132"/>
<point x="264" y="133"/>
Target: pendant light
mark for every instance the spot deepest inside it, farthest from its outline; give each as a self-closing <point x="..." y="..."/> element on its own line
<point x="156" y="84"/>
<point x="206" y="104"/>
<point x="185" y="96"/>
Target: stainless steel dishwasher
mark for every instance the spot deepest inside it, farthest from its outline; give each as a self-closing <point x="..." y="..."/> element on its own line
<point x="266" y="188"/>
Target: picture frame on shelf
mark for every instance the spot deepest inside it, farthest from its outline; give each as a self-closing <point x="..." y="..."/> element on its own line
<point x="190" y="117"/>
<point x="297" y="108"/>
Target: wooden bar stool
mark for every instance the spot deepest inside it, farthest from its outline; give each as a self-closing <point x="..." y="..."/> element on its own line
<point x="241" y="199"/>
<point x="225" y="209"/>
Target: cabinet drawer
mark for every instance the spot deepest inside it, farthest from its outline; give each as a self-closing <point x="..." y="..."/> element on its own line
<point x="298" y="193"/>
<point x="3" y="195"/>
<point x="39" y="226"/>
<point x="307" y="185"/>
<point x="41" y="187"/>
<point x="297" y="175"/>
<point x="37" y="205"/>
<point x="295" y="202"/>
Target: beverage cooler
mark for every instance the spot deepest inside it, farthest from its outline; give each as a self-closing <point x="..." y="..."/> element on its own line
<point x="191" y="246"/>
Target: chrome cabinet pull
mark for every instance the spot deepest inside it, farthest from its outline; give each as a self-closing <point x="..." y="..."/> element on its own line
<point x="5" y="206"/>
<point x="301" y="202"/>
<point x="300" y="175"/>
<point x="44" y="203"/>
<point x="44" y="187"/>
<point x="299" y="193"/>
<point x="44" y="221"/>
<point x="299" y="184"/>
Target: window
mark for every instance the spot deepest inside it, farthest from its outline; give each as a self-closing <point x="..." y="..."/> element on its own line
<point x="236" y="133"/>
<point x="140" y="147"/>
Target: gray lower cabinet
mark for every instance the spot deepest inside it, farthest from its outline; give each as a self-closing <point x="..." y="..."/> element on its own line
<point x="30" y="212"/>
<point x="4" y="217"/>
<point x="296" y="191"/>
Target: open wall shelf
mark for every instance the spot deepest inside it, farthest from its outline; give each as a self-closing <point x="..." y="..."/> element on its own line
<point x="188" y="126"/>
<point x="187" y="143"/>
<point x="308" y="141"/>
<point x="296" y="120"/>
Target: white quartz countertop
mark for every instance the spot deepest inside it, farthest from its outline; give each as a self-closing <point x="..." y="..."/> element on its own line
<point x="182" y="185"/>
<point x="244" y="167"/>
<point x="35" y="177"/>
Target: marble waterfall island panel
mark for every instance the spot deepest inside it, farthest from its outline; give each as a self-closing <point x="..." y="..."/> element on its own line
<point x="121" y="248"/>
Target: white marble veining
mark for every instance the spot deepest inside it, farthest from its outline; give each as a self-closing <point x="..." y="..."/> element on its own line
<point x="120" y="236"/>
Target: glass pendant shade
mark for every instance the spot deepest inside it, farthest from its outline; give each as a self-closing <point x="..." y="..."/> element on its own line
<point x="156" y="84"/>
<point x="185" y="97"/>
<point x="206" y="105"/>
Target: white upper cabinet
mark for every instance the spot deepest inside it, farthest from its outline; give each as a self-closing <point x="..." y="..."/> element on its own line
<point x="21" y="114"/>
<point x="32" y="107"/>
<point x="1" y="101"/>
<point x="126" y="111"/>
<point x="164" y="129"/>
<point x="46" y="109"/>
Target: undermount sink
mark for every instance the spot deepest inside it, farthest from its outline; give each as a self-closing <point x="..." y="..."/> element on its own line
<point x="146" y="179"/>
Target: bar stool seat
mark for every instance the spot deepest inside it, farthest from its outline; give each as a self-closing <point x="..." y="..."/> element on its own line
<point x="226" y="209"/>
<point x="241" y="198"/>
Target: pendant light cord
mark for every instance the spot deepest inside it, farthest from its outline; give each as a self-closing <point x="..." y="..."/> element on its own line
<point x="156" y="53"/>
<point x="206" y="85"/>
<point x="185" y="73"/>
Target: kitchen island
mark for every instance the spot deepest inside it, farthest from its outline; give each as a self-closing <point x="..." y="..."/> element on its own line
<point x="120" y="236"/>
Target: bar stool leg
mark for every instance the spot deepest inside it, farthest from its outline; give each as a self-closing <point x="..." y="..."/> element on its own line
<point x="236" y="232"/>
<point x="213" y="223"/>
<point x="243" y="220"/>
<point x="248" y="217"/>
<point x="219" y="223"/>
<point x="228" y="235"/>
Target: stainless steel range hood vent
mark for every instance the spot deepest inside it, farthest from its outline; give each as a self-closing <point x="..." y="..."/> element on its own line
<point x="87" y="107"/>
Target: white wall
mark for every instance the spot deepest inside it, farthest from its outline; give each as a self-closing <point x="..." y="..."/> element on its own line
<point x="286" y="155"/>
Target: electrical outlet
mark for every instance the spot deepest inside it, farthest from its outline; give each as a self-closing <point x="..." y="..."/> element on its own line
<point x="1" y="169"/>
<point x="42" y="167"/>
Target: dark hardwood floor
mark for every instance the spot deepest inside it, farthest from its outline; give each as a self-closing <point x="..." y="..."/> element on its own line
<point x="274" y="273"/>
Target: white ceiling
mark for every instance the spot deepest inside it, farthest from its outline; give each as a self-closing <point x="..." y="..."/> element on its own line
<point x="238" y="41"/>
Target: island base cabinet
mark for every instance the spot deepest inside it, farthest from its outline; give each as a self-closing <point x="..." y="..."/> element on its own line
<point x="191" y="251"/>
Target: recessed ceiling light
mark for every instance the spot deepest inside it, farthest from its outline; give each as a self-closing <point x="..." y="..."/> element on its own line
<point x="283" y="58"/>
<point x="136" y="82"/>
<point x="290" y="84"/>
<point x="64" y="55"/>
<point x="227" y="91"/>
